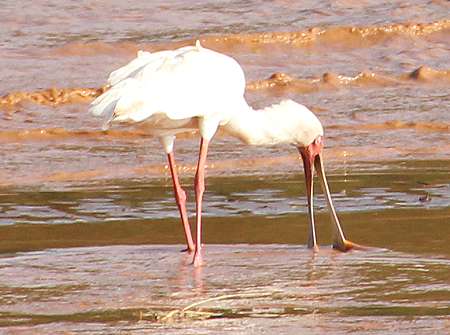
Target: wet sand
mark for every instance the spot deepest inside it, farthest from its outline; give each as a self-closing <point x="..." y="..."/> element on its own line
<point x="89" y="232"/>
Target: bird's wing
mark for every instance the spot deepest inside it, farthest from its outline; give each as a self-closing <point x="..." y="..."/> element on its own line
<point x="183" y="83"/>
<point x="143" y="58"/>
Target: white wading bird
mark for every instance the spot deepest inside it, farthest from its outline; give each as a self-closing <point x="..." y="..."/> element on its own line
<point x="193" y="88"/>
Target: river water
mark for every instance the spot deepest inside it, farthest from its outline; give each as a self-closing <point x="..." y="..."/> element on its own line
<point x="89" y="231"/>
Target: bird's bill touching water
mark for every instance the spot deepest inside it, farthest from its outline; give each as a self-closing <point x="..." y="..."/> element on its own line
<point x="312" y="158"/>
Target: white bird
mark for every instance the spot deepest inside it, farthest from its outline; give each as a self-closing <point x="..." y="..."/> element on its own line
<point x="194" y="88"/>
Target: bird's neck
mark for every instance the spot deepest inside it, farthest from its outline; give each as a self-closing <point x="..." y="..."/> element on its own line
<point x="286" y="122"/>
<point x="256" y="127"/>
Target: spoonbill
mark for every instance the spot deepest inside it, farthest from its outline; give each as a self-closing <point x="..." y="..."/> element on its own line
<point x="195" y="88"/>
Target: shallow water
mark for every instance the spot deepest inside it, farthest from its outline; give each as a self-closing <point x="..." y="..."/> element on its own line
<point x="255" y="230"/>
<point x="89" y="232"/>
<point x="110" y="289"/>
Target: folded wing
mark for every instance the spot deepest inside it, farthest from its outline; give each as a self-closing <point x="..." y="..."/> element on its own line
<point x="183" y="83"/>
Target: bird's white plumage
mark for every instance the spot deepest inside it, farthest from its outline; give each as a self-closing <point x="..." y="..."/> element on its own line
<point x="197" y="88"/>
<point x="174" y="83"/>
<point x="143" y="58"/>
<point x="284" y="123"/>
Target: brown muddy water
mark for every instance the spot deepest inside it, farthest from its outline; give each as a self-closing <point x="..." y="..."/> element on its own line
<point x="90" y="238"/>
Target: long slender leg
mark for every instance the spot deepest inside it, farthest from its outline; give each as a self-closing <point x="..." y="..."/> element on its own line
<point x="199" y="189"/>
<point x="309" y="172"/>
<point x="180" y="197"/>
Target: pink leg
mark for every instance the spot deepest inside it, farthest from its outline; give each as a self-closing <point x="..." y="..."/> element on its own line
<point x="199" y="189"/>
<point x="180" y="197"/>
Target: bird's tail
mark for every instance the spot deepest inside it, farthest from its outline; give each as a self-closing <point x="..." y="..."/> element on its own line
<point x="118" y="103"/>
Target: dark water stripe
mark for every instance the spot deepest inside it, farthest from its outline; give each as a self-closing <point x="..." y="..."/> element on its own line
<point x="157" y="314"/>
<point x="291" y="229"/>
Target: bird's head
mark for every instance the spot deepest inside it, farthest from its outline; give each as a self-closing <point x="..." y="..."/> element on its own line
<point x="312" y="151"/>
<point x="298" y="123"/>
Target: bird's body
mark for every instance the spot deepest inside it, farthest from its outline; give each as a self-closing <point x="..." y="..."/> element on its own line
<point x="171" y="91"/>
<point x="196" y="88"/>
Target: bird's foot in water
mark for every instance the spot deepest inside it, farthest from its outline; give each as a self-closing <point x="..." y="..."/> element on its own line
<point x="314" y="248"/>
<point x="197" y="261"/>
<point x="188" y="250"/>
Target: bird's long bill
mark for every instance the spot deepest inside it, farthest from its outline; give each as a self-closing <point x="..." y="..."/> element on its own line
<point x="309" y="175"/>
<point x="339" y="241"/>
